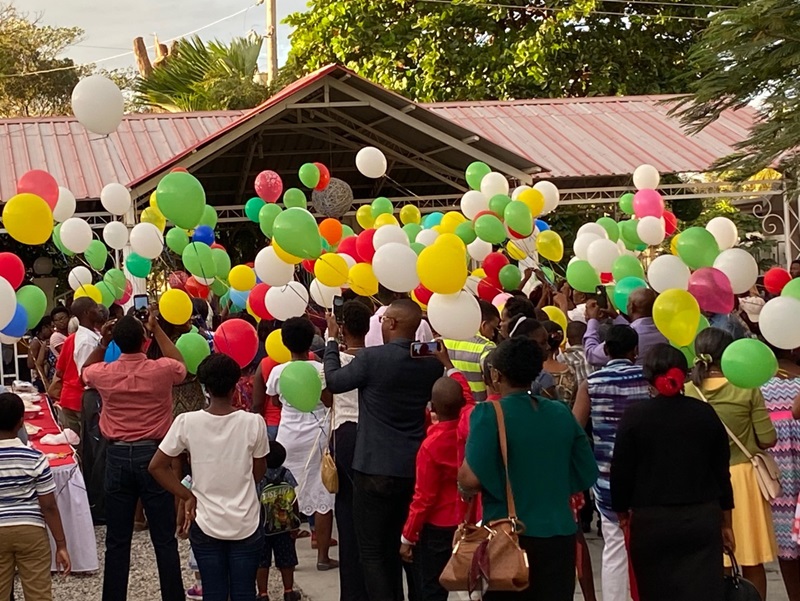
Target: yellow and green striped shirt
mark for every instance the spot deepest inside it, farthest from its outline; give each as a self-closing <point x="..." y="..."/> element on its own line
<point x="468" y="356"/>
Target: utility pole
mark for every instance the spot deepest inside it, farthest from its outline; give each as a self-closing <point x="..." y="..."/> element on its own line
<point x="271" y="39"/>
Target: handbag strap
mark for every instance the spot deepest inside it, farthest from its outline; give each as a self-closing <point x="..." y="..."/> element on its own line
<point x="501" y="431"/>
<point x="731" y="435"/>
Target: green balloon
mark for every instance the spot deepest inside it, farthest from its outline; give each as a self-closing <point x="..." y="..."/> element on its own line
<point x="266" y="218"/>
<point x="582" y="276"/>
<point x="498" y="204"/>
<point x="548" y="273"/>
<point x="219" y="287"/>
<point x="309" y="175"/>
<point x="138" y="266"/>
<point x="627" y="266"/>
<point x="466" y="231"/>
<point x="96" y="255"/>
<point x="194" y="348"/>
<point x="411" y="230"/>
<point x="347" y="232"/>
<point x="626" y="203"/>
<point x="57" y="241"/>
<point x="296" y="232"/>
<point x="490" y="229"/>
<point x="381" y="206"/>
<point x="510" y="277"/>
<point x="623" y="289"/>
<point x="610" y="226"/>
<point x="300" y="385"/>
<point x="697" y="247"/>
<point x="294" y="197"/>
<point x="177" y="240"/>
<point x="475" y="174"/>
<point x="748" y="363"/>
<point x="417" y="247"/>
<point x="34" y="301"/>
<point x="252" y="208"/>
<point x="115" y="278"/>
<point x="199" y="260"/>
<point x="181" y="199"/>
<point x="222" y="263"/>
<point x="107" y="293"/>
<point x="628" y="234"/>
<point x="209" y="217"/>
<point x="518" y="218"/>
<point x="791" y="289"/>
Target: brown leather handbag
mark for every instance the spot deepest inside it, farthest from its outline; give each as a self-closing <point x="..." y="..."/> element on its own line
<point x="488" y="557"/>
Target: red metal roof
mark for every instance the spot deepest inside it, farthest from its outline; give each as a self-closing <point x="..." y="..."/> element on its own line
<point x="579" y="137"/>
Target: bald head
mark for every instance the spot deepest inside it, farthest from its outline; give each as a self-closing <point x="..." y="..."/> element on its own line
<point x="401" y="320"/>
<point x="447" y="399"/>
<point x="640" y="303"/>
<point x="86" y="310"/>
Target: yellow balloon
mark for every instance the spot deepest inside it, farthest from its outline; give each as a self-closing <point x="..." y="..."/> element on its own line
<point x="673" y="245"/>
<point x="276" y="350"/>
<point x="410" y="214"/>
<point x="515" y="252"/>
<point x="451" y="240"/>
<point x="677" y="316"/>
<point x="451" y="220"/>
<point x="438" y="229"/>
<point x="331" y="270"/>
<point x="533" y="199"/>
<point x="479" y="273"/>
<point x="242" y="277"/>
<point x="557" y="315"/>
<point x="154" y="216"/>
<point x="175" y="306"/>
<point x="362" y="280"/>
<point x="92" y="292"/>
<point x="550" y="245"/>
<point x="364" y="216"/>
<point x="284" y="256"/>
<point x="442" y="268"/>
<point x="385" y="219"/>
<point x="28" y="219"/>
<point x="154" y="201"/>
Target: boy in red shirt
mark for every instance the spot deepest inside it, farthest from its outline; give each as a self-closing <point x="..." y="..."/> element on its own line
<point x="436" y="509"/>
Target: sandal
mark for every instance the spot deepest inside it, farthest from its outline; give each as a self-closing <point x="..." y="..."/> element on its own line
<point x="303" y="533"/>
<point x="331" y="564"/>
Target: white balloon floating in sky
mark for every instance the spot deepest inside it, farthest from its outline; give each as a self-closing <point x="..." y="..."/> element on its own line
<point x="147" y="240"/>
<point x="395" y="266"/>
<point x="284" y="302"/>
<point x="115" y="235"/>
<point x="115" y="198"/>
<point x="98" y="104"/>
<point x="323" y="295"/>
<point x="455" y="316"/>
<point x="472" y="203"/>
<point x="371" y="162"/>
<point x="76" y="235"/>
<point x="65" y="207"/>
<point x="8" y="303"/>
<point x="79" y="276"/>
<point x="551" y="195"/>
<point x="494" y="183"/>
<point x="646" y="177"/>
<point x="724" y="232"/>
<point x="271" y="270"/>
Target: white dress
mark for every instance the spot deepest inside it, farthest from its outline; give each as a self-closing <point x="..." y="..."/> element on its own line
<point x="304" y="436"/>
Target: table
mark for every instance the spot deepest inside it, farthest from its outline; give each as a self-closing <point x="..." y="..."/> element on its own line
<point x="71" y="497"/>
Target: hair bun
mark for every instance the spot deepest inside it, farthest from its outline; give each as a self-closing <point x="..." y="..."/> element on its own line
<point x="670" y="383"/>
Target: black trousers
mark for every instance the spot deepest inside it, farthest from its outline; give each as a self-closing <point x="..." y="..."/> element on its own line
<point x="431" y="554"/>
<point x="381" y="504"/>
<point x="351" y="576"/>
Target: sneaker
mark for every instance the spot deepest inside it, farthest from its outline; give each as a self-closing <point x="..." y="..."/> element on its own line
<point x="292" y="596"/>
<point x="195" y="593"/>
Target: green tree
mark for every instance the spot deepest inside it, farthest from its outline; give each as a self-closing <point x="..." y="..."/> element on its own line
<point x="436" y="50"/>
<point x="28" y="47"/>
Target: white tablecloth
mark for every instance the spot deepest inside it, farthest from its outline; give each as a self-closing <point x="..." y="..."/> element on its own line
<point x="73" y="505"/>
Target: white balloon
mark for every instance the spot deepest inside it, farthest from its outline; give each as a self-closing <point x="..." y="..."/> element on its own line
<point x="284" y="302"/>
<point x="8" y="302"/>
<point x="322" y="294"/>
<point x="724" y="232"/>
<point x="455" y="316"/>
<point x="478" y="249"/>
<point x="147" y="240"/>
<point x="646" y="177"/>
<point x="9" y="340"/>
<point x="601" y="254"/>
<point x="519" y="190"/>
<point x="271" y="270"/>
<point x="395" y="266"/>
<point x="98" y="104"/>
<point x="79" y="276"/>
<point x="425" y="237"/>
<point x="668" y="271"/>
<point x="740" y="267"/>
<point x="389" y="234"/>
<point x="472" y="203"/>
<point x="651" y="230"/>
<point x="582" y="243"/>
<point x="348" y="259"/>
<point x="551" y="195"/>
<point x="371" y="162"/>
<point x="65" y="207"/>
<point x="76" y="235"/>
<point x="115" y="235"/>
<point x="494" y="183"/>
<point x="592" y="228"/>
<point x="115" y="198"/>
<point x="472" y="284"/>
<point x="778" y="322"/>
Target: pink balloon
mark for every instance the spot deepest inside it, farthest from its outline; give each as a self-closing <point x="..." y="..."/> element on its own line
<point x="712" y="289"/>
<point x="269" y="186"/>
<point x="237" y="339"/>
<point x="40" y="183"/>
<point x="500" y="300"/>
<point x="648" y="203"/>
<point x="126" y="296"/>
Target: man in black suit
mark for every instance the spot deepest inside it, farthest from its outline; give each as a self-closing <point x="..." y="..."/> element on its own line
<point x="393" y="392"/>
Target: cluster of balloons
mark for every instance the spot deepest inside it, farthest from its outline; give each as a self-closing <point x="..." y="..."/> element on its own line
<point x="21" y="307"/>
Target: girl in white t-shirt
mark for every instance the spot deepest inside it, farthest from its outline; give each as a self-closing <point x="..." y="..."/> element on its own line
<point x="228" y="450"/>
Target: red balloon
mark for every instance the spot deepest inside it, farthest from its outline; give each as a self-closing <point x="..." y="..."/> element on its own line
<point x="195" y="289"/>
<point x="237" y="339"/>
<point x="775" y="279"/>
<point x="218" y="245"/>
<point x="349" y="246"/>
<point x="324" y="177"/>
<point x="269" y="186"/>
<point x="40" y="183"/>
<point x="364" y="245"/>
<point x="177" y="280"/>
<point x="126" y="296"/>
<point x="12" y="269"/>
<point x="488" y="288"/>
<point x="179" y="170"/>
<point x="482" y="213"/>
<point x="423" y="294"/>
<point x="257" y="298"/>
<point x="515" y="235"/>
<point x="493" y="263"/>
<point x="606" y="278"/>
<point x="308" y="265"/>
<point x="670" y="223"/>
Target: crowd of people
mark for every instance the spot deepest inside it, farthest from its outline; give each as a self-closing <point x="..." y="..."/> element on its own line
<point x="604" y="414"/>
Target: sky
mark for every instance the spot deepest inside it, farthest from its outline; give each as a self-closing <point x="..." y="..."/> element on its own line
<point x="112" y="25"/>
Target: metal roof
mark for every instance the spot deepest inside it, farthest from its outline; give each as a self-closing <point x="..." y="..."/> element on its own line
<point x="603" y="136"/>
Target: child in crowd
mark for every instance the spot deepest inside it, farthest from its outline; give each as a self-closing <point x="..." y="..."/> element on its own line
<point x="436" y="509"/>
<point x="27" y="504"/>
<point x="281" y="524"/>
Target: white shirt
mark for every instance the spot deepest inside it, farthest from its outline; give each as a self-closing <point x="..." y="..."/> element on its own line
<point x="345" y="405"/>
<point x="86" y="341"/>
<point x="222" y="449"/>
<point x="375" y="337"/>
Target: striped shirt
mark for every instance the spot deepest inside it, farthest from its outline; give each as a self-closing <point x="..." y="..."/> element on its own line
<point x="24" y="476"/>
<point x="612" y="389"/>
<point x="467" y="357"/>
<point x="575" y="357"/>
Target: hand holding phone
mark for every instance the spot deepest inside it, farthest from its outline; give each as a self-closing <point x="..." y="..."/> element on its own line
<point x="338" y="306"/>
<point x="602" y="297"/>
<point x="140" y="306"/>
<point x="420" y="350"/>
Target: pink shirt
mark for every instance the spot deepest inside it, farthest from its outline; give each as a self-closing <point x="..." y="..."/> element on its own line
<point x="137" y="395"/>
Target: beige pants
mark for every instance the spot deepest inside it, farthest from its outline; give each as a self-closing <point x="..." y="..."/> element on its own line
<point x="25" y="549"/>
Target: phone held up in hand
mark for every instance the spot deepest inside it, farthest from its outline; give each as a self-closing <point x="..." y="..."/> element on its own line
<point x="141" y="306"/>
<point x="602" y="298"/>
<point x="338" y="304"/>
<point x="424" y="349"/>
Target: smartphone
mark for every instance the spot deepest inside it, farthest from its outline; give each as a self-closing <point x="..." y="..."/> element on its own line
<point x="424" y="349"/>
<point x="602" y="298"/>
<point x="338" y="303"/>
<point x="141" y="304"/>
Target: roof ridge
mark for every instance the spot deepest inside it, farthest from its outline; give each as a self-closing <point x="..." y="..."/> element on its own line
<point x="569" y="100"/>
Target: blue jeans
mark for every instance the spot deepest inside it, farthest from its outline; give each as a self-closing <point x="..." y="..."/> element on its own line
<point x="228" y="567"/>
<point x="127" y="480"/>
